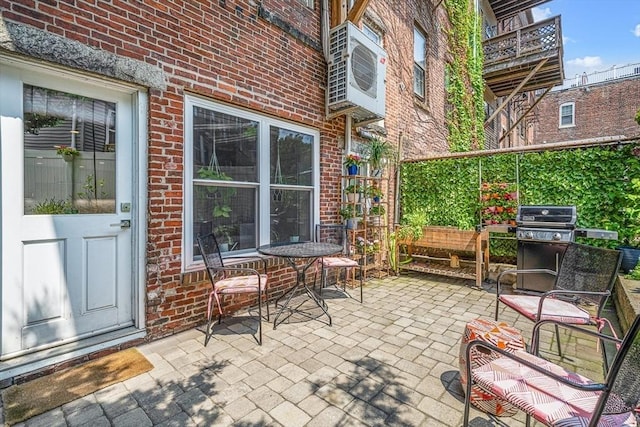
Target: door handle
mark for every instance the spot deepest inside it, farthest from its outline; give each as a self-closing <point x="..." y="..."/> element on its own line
<point x="124" y="223"/>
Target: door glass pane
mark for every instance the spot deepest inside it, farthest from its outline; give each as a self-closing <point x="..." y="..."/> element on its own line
<point x="69" y="153"/>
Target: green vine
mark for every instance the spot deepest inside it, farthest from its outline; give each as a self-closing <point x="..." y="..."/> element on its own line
<point x="465" y="86"/>
<point x="599" y="181"/>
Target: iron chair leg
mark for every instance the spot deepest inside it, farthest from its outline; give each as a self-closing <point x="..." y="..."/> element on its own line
<point x="259" y="315"/>
<point x="558" y="340"/>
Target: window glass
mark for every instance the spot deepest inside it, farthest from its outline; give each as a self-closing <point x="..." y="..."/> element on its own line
<point x="69" y="153"/>
<point x="420" y="62"/>
<point x="229" y="148"/>
<point x="291" y="165"/>
<point x="566" y="115"/>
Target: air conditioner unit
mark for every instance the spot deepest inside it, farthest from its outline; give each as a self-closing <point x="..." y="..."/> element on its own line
<point x="356" y="75"/>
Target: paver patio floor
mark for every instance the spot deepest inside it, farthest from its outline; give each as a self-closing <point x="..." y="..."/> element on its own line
<point x="392" y="361"/>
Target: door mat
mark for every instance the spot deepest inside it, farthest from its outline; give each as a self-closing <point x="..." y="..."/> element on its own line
<point x="32" y="398"/>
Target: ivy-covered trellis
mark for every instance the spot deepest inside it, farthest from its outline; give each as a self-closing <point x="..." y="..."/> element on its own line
<point x="597" y="180"/>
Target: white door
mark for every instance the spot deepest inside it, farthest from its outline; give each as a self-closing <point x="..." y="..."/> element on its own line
<point x="66" y="151"/>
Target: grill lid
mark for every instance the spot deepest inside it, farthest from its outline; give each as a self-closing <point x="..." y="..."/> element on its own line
<point x="547" y="216"/>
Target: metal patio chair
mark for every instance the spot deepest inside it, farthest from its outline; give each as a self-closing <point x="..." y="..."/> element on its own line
<point x="230" y="281"/>
<point x="555" y="396"/>
<point x="583" y="283"/>
<point x="337" y="234"/>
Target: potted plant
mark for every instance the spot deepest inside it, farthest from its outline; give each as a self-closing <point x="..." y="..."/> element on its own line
<point x="348" y="214"/>
<point x="68" y="153"/>
<point x="224" y="234"/>
<point x="375" y="212"/>
<point x="352" y="192"/>
<point x="374" y="192"/>
<point x="631" y="228"/>
<point x="353" y="162"/>
<point x="379" y="151"/>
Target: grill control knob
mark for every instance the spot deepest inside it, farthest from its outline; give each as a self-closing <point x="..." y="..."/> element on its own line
<point x="556" y="236"/>
<point x="528" y="234"/>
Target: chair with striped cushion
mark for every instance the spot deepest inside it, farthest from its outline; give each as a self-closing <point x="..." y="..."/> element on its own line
<point x="336" y="233"/>
<point x="230" y="281"/>
<point x="583" y="283"/>
<point x="555" y="396"/>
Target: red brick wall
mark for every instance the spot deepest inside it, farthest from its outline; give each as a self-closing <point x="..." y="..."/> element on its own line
<point x="601" y="110"/>
<point x="222" y="50"/>
<point x="226" y="51"/>
<point x="420" y="124"/>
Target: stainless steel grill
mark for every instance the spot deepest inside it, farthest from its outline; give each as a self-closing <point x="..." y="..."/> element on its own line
<point x="543" y="233"/>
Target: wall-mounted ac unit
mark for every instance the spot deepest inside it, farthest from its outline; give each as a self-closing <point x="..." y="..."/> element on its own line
<point x="357" y="70"/>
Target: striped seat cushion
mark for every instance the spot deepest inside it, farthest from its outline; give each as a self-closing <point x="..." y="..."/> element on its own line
<point x="240" y="284"/>
<point x="329" y="262"/>
<point x="553" y="309"/>
<point x="545" y="399"/>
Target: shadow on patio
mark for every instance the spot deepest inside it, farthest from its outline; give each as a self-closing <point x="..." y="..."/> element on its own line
<point x="392" y="361"/>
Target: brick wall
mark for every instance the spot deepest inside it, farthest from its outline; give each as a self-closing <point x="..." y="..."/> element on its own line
<point x="601" y="110"/>
<point x="419" y="123"/>
<point x="265" y="57"/>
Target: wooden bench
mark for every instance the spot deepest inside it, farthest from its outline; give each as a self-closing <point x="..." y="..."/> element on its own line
<point x="447" y="251"/>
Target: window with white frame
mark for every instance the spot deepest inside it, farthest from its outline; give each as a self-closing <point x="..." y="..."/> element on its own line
<point x="419" y="62"/>
<point x="251" y="179"/>
<point x="308" y="3"/>
<point x="567" y="115"/>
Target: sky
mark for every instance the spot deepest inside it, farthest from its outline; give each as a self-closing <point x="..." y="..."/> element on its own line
<point x="597" y="34"/>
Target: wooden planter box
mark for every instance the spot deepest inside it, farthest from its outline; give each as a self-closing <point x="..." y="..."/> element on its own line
<point x="448" y="251"/>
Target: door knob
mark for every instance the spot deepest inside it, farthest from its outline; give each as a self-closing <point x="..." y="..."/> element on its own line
<point x="124" y="223"/>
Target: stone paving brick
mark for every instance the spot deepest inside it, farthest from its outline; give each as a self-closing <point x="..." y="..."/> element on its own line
<point x="84" y="415"/>
<point x="299" y="391"/>
<point x="312" y="405"/>
<point x="136" y="417"/>
<point x="240" y="407"/>
<point x="179" y="420"/>
<point x="257" y="418"/>
<point x="118" y="405"/>
<point x="160" y="411"/>
<point x="366" y="413"/>
<point x="97" y="422"/>
<point x="265" y="398"/>
<point x="289" y="415"/>
<point x="260" y="377"/>
<point x="53" y="418"/>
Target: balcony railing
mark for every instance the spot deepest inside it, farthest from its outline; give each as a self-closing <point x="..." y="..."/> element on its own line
<point x="531" y="55"/>
<point x="541" y="37"/>
<point x="614" y="73"/>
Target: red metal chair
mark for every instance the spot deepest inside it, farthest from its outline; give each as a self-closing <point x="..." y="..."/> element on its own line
<point x="336" y="233"/>
<point x="230" y="281"/>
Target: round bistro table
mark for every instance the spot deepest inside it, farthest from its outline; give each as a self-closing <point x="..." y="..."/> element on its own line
<point x="291" y="252"/>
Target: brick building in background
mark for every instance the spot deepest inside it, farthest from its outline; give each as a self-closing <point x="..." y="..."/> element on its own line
<point x="600" y="105"/>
